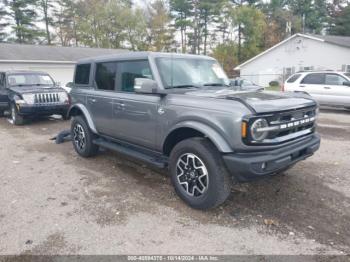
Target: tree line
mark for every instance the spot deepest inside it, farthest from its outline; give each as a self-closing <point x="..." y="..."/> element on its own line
<point x="230" y="30"/>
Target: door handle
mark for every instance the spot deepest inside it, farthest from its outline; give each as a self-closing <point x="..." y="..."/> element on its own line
<point x="93" y="100"/>
<point x="302" y="86"/>
<point x="327" y="87"/>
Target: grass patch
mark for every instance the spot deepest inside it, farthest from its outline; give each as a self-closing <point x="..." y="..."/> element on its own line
<point x="273" y="88"/>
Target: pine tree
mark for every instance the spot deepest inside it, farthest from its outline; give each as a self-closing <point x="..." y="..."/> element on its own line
<point x="24" y="16"/>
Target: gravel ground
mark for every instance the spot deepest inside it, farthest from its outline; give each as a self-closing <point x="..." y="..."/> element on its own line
<point x="54" y="202"/>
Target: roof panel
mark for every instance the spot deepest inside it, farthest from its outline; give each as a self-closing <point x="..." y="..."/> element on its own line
<point x="51" y="53"/>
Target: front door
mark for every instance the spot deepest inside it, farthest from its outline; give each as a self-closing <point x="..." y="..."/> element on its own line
<point x="135" y="116"/>
<point x="337" y="93"/>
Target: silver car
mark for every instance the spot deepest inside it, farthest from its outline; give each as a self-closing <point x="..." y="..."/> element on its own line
<point x="329" y="88"/>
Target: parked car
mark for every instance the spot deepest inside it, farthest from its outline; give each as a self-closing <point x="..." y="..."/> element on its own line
<point x="28" y="94"/>
<point x="328" y="88"/>
<point x="242" y="84"/>
<point x="179" y="112"/>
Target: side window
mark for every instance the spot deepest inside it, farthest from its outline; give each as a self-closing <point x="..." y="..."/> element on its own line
<point x="2" y="80"/>
<point x="128" y="71"/>
<point x="105" y="75"/>
<point x="293" y="78"/>
<point x="314" y="79"/>
<point x="334" y="79"/>
<point x="82" y="74"/>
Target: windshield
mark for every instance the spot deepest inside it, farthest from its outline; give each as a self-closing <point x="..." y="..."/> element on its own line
<point x="190" y="72"/>
<point x="30" y="80"/>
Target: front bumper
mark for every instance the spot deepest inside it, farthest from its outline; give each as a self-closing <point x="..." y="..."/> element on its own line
<point x="250" y="166"/>
<point x="42" y="110"/>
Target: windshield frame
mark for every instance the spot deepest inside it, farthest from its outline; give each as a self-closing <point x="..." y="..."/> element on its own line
<point x="188" y="85"/>
<point x="347" y="74"/>
<point x="29" y="73"/>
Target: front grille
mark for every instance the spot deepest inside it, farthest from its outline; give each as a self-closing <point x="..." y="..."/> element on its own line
<point x="47" y="98"/>
<point x="291" y="122"/>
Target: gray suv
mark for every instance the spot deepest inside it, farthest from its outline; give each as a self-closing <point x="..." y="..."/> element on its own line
<point x="179" y="112"/>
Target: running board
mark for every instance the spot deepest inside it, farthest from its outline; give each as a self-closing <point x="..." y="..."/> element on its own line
<point x="152" y="159"/>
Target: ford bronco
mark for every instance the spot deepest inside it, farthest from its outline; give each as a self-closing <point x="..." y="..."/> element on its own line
<point x="25" y="94"/>
<point x="179" y="112"/>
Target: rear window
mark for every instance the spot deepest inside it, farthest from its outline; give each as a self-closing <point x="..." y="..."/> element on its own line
<point x="314" y="79"/>
<point x="293" y="78"/>
<point x="82" y="74"/>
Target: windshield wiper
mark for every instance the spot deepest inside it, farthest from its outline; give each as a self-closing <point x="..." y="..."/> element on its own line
<point x="215" y="84"/>
<point x="184" y="86"/>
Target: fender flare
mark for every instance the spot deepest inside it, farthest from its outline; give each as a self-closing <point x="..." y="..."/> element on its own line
<point x="214" y="136"/>
<point x="85" y="113"/>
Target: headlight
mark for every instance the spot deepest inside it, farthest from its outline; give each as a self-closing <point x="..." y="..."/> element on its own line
<point x="257" y="129"/>
<point x="28" y="98"/>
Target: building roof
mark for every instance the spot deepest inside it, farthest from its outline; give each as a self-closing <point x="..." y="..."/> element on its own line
<point x="343" y="41"/>
<point x="333" y="39"/>
<point x="39" y="53"/>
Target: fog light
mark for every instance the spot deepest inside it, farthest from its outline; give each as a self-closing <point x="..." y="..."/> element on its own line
<point x="263" y="166"/>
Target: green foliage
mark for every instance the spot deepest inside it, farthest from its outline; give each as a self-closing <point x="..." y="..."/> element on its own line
<point x="161" y="36"/>
<point x="24" y="16"/>
<point x="340" y="22"/>
<point x="226" y="54"/>
<point x="253" y="25"/>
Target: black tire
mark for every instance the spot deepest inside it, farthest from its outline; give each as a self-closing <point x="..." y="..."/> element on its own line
<point x="216" y="186"/>
<point x="15" y="118"/>
<point x="82" y="137"/>
<point x="1" y="113"/>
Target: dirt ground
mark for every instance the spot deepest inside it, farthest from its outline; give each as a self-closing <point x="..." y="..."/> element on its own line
<point x="54" y="202"/>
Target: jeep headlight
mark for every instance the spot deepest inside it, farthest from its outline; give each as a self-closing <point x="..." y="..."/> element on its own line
<point x="28" y="98"/>
<point x="259" y="129"/>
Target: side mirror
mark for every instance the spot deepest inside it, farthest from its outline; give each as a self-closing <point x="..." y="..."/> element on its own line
<point x="346" y="83"/>
<point x="69" y="84"/>
<point x="145" y="86"/>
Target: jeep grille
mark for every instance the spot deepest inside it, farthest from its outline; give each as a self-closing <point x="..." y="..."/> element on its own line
<point x="46" y="98"/>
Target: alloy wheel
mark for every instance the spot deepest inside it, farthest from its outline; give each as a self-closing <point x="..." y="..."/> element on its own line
<point x="192" y="174"/>
<point x="79" y="137"/>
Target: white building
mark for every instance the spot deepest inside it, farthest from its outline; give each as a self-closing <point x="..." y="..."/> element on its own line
<point x="298" y="53"/>
<point x="56" y="60"/>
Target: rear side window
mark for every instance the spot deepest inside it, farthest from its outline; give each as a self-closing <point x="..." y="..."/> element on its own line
<point x="314" y="79"/>
<point x="82" y="74"/>
<point x="293" y="78"/>
<point x="105" y="75"/>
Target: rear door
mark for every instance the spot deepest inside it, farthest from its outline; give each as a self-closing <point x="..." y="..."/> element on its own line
<point x="337" y="93"/>
<point x="3" y="92"/>
<point x="313" y="84"/>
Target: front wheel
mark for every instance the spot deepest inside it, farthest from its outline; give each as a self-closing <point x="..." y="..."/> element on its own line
<point x="198" y="173"/>
<point x="82" y="138"/>
<point x="15" y="118"/>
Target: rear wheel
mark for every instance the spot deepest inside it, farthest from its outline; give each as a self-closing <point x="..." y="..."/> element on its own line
<point x="82" y="138"/>
<point x="198" y="173"/>
<point x="15" y="118"/>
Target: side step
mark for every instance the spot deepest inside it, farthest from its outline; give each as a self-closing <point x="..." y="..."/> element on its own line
<point x="158" y="161"/>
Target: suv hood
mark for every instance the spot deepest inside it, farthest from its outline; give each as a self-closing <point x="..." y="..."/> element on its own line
<point x="260" y="102"/>
<point x="35" y="89"/>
